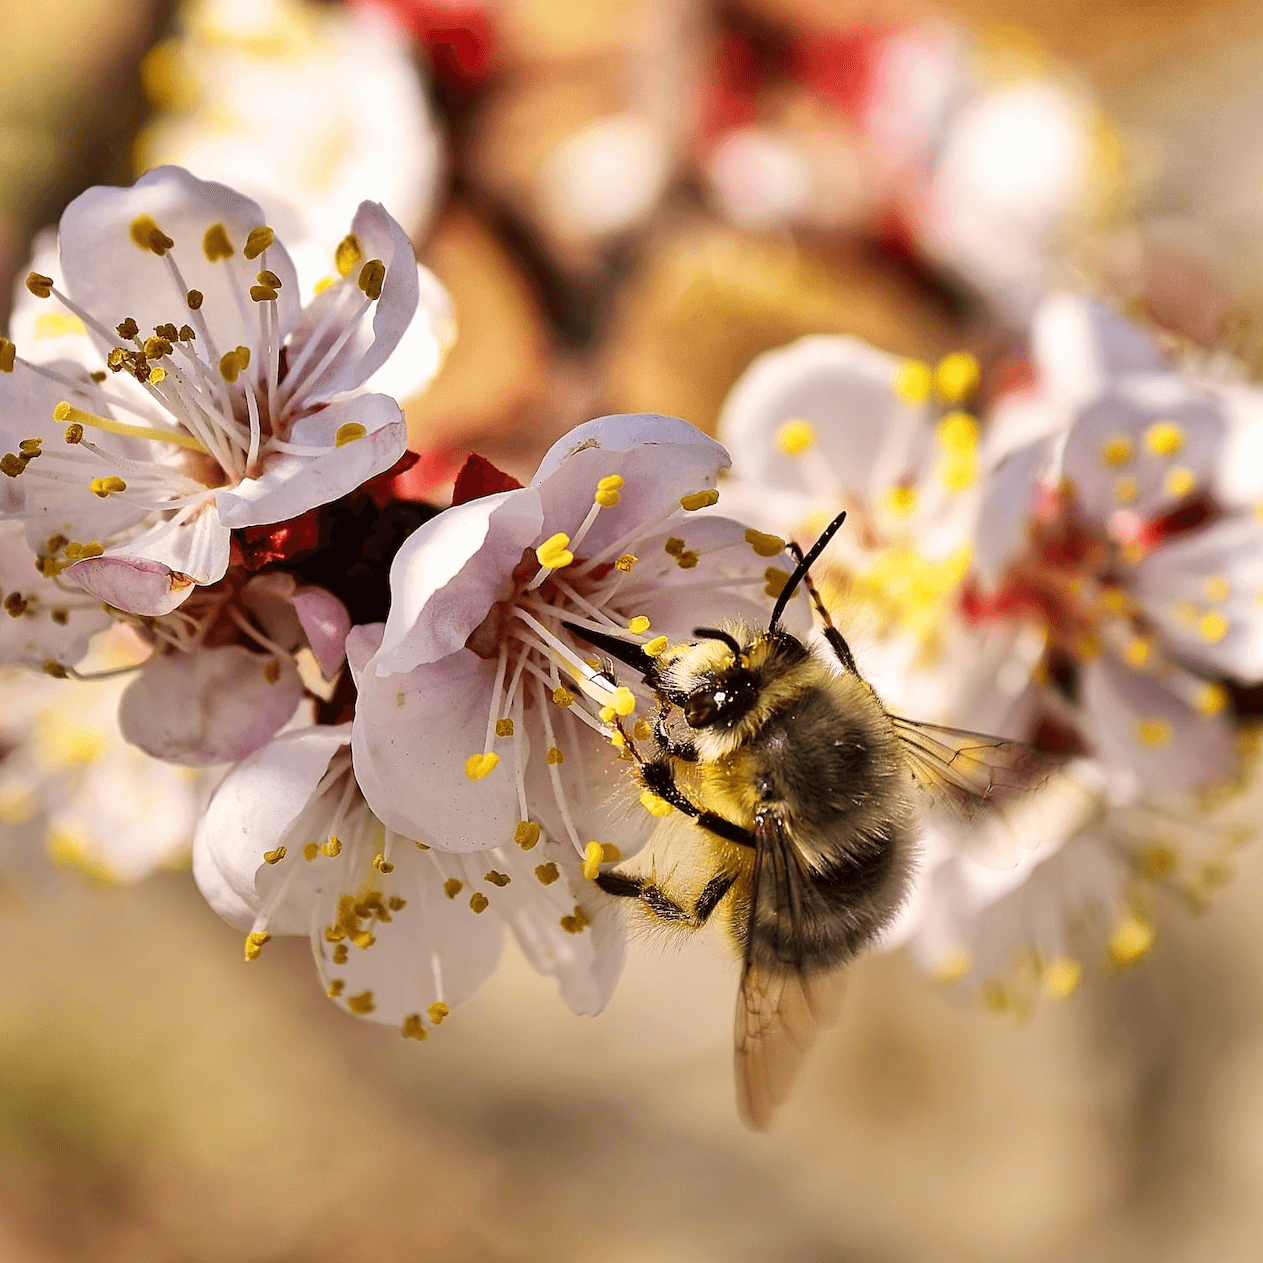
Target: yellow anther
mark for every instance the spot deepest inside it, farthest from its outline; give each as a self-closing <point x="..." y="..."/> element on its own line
<point x="1153" y="732"/>
<point x="348" y="432"/>
<point x="347" y="255"/>
<point x="593" y="855"/>
<point x="383" y="865"/>
<point x="395" y="903"/>
<point x="607" y="714"/>
<point x="148" y="236"/>
<point x="1179" y="481"/>
<point x="553" y="553"/>
<point x="361" y="1004"/>
<point x="1130" y="942"/>
<point x="269" y="278"/>
<point x="959" y="472"/>
<point x="194" y="299"/>
<point x="67" y="412"/>
<point x="216" y="246"/>
<point x="958" y="432"/>
<point x="607" y="491"/>
<point x="999" y="998"/>
<point x="479" y="765"/>
<point x="1185" y="611"/>
<point x="913" y="381"/>
<point x="654" y="805"/>
<point x="699" y="500"/>
<point x="437" y="1012"/>
<point x="764" y="545"/>
<point x="555" y="756"/>
<point x="12" y="466"/>
<point x="322" y="284"/>
<point x="157" y="375"/>
<point x="1211" y="699"/>
<point x="1117" y="451"/>
<point x="563" y="697"/>
<point x="1137" y="652"/>
<point x="795" y="437"/>
<point x="479" y="902"/>
<point x="274" y="856"/>
<point x="1218" y="588"/>
<point x="576" y="923"/>
<point x="1212" y="626"/>
<point x="626" y="562"/>
<point x="452" y="887"/>
<point x="504" y="727"/>
<point x="956" y="377"/>
<point x="1062" y="977"/>
<point x="900" y="500"/>
<point x="1164" y="438"/>
<point x="497" y="879"/>
<point x="643" y="730"/>
<point x="526" y="834"/>
<point x="674" y="546"/>
<point x="338" y="985"/>
<point x="40" y="286"/>
<point x="638" y="625"/>
<point x="331" y="848"/>
<point x="624" y="701"/>
<point x="413" y="1027"/>
<point x="1114" y="599"/>
<point x="954" y="966"/>
<point x="775" y="580"/>
<point x="616" y="739"/>
<point x="8" y="355"/>
<point x="310" y="851"/>
<point x="372" y="278"/>
<point x="258" y="241"/>
<point x="254" y="943"/>
<point x="262" y="293"/>
<point x="546" y="874"/>
<point x="1126" y="490"/>
<point x="106" y="486"/>
<point x="1156" y="862"/>
<point x="687" y="560"/>
<point x="655" y="646"/>
<point x="610" y="853"/>
<point x="272" y="670"/>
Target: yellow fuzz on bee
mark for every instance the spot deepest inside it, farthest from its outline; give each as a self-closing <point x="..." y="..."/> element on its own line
<point x="654" y="805"/>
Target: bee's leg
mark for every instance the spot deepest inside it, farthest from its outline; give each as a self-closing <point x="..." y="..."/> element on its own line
<point x="837" y="642"/>
<point x="661" y="904"/>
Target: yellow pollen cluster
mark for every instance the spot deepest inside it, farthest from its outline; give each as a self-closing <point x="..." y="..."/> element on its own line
<point x="496" y="878"/>
<point x="361" y="1005"/>
<point x="1179" y="482"/>
<point x="795" y="437"/>
<point x="699" y="500"/>
<point x="626" y="562"/>
<point x="274" y="856"/>
<point x="413" y="1027"/>
<point x="348" y="432"/>
<point x="593" y="855"/>
<point x="1211" y="699"/>
<point x="655" y="646"/>
<point x="954" y="966"/>
<point x="437" y="1012"/>
<point x="504" y="727"/>
<point x="526" y="835"/>
<point x="265" y="291"/>
<point x="372" y="278"/>
<point x="1164" y="438"/>
<point x="8" y="355"/>
<point x="332" y="848"/>
<point x="576" y="923"/>
<point x="479" y="765"/>
<point x="479" y="903"/>
<point x="1156" y="862"/>
<point x="1062" y="977"/>
<point x="562" y="697"/>
<point x="254" y="943"/>
<point x="107" y="486"/>
<point x="1117" y="451"/>
<point x="554" y="757"/>
<point x="452" y="887"/>
<point x="774" y="581"/>
<point x="258" y="241"/>
<point x="40" y="286"/>
<point x="900" y="500"/>
<point x="233" y="363"/>
<point x="546" y="874"/>
<point x="554" y="553"/>
<point x="607" y="492"/>
<point x="913" y="381"/>
<point x="638" y="625"/>
<point x="348" y="254"/>
<point x="1130" y="942"/>
<point x="654" y="805"/>
<point x="956" y="377"/>
<point x="148" y="236"/>
<point x="215" y="244"/>
<point x="764" y="545"/>
<point x="1153" y="732"/>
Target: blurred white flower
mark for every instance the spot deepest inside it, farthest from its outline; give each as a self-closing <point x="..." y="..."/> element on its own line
<point x="401" y="934"/>
<point x="296" y="105"/>
<point x="480" y="716"/>
<point x="72" y="788"/>
<point x="138" y="452"/>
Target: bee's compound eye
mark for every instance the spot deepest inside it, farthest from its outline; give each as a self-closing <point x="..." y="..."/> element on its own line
<point x="700" y="709"/>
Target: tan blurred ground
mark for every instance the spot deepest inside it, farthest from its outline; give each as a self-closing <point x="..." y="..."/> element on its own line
<point x="160" y="1100"/>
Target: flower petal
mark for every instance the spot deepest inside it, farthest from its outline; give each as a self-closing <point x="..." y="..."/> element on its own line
<point x="289" y="484"/>
<point x="210" y="706"/>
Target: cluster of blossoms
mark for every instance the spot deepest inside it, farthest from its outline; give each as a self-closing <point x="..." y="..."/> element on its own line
<point x="415" y="744"/>
<point x="1078" y="567"/>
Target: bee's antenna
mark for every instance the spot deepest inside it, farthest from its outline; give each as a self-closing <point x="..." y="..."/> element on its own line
<point x="802" y="568"/>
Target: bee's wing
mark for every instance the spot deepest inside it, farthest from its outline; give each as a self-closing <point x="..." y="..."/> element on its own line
<point x="778" y="1015"/>
<point x="993" y="795"/>
<point x="779" y="1008"/>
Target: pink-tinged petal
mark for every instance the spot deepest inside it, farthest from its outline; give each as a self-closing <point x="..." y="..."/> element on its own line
<point x="270" y="599"/>
<point x="1172" y="431"/>
<point x="250" y="815"/>
<point x="413" y="736"/>
<point x="209" y="706"/>
<point x="1136" y="723"/>
<point x="844" y="390"/>
<point x="132" y="584"/>
<point x="659" y="459"/>
<point x="434" y="949"/>
<point x="114" y="278"/>
<point x="451" y="571"/>
<point x="290" y="484"/>
<point x="1204" y="590"/>
<point x="325" y="623"/>
<point x="1239" y="478"/>
<point x="41" y="328"/>
<point x="1080" y="342"/>
<point x="1009" y="497"/>
<point x="154" y="571"/>
<point x="370" y="344"/>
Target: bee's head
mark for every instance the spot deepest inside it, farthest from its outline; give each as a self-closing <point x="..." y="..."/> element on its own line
<point x="722" y="691"/>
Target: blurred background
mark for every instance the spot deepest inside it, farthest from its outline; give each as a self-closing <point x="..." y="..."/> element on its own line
<point x="628" y="200"/>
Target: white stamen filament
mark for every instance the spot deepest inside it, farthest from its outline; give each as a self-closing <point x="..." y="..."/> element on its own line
<point x="559" y="793"/>
<point x="311" y="381"/>
<point x="294" y="372"/>
<point x="589" y="680"/>
<point x="502" y="663"/>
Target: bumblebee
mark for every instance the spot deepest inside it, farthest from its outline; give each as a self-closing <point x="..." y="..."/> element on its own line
<point x="801" y="792"/>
